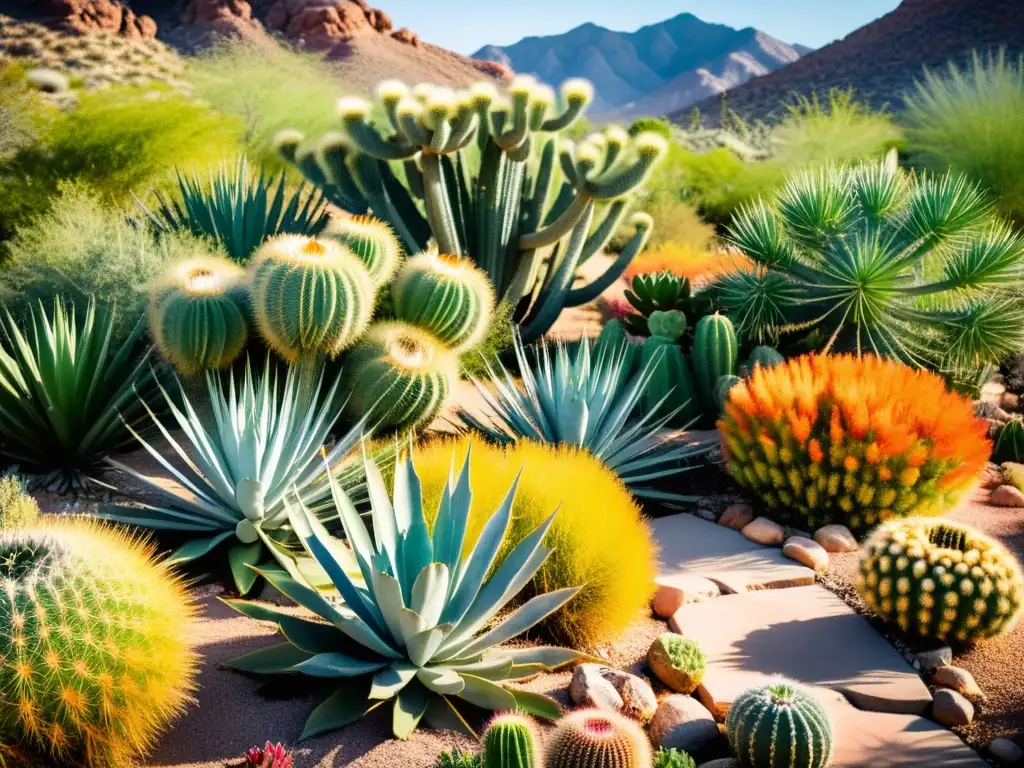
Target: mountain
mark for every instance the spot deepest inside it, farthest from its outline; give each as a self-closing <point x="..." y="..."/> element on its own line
<point x="658" y="68"/>
<point x="882" y="60"/>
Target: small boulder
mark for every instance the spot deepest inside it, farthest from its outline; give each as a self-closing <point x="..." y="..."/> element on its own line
<point x="676" y="591"/>
<point x="806" y="552"/>
<point x="764" y="531"/>
<point x="951" y="709"/>
<point x="930" y="660"/>
<point x="737" y="516"/>
<point x="991" y="476"/>
<point x="836" y="538"/>
<point x="612" y="690"/>
<point x="959" y="680"/>
<point x="1004" y="751"/>
<point x="677" y="661"/>
<point x="1009" y="401"/>
<point x="1007" y="496"/>
<point x="683" y="723"/>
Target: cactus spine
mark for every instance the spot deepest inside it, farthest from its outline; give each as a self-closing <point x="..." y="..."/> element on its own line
<point x="671" y="381"/>
<point x="715" y="352"/>
<point x="401" y="373"/>
<point x="195" y="316"/>
<point x="93" y="658"/>
<point x="511" y="742"/>
<point x="447" y="296"/>
<point x="589" y="738"/>
<point x="779" y="725"/>
<point x="372" y="241"/>
<point x="309" y="295"/>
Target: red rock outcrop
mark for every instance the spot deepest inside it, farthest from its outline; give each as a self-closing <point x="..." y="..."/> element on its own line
<point x="84" y="16"/>
<point x="322" y="24"/>
<point x="216" y="12"/>
<point x="407" y="36"/>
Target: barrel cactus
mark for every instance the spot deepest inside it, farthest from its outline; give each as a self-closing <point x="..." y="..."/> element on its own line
<point x="940" y="579"/>
<point x="1009" y="443"/>
<point x="669" y="324"/>
<point x="195" y="315"/>
<point x="511" y="741"/>
<point x="766" y="356"/>
<point x="309" y="295"/>
<point x="445" y="295"/>
<point x="722" y="387"/>
<point x="94" y="657"/>
<point x="372" y="241"/>
<point x="671" y="386"/>
<point x="779" y="725"/>
<point x="401" y="374"/>
<point x="589" y="738"/>
<point x="715" y="352"/>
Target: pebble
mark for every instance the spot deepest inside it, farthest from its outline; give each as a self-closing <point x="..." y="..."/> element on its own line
<point x="722" y="762"/>
<point x="836" y="538"/>
<point x="612" y="690"/>
<point x="932" y="659"/>
<point x="1007" y="496"/>
<point x="1009" y="401"/>
<point x="764" y="531"/>
<point x="806" y="552"/>
<point x="991" y="476"/>
<point x="683" y="723"/>
<point x="960" y="680"/>
<point x="673" y="592"/>
<point x="1005" y="751"/>
<point x="951" y="709"/>
<point x="737" y="516"/>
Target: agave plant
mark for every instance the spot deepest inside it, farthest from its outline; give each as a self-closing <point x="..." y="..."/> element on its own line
<point x="587" y="399"/>
<point x="67" y="398"/>
<point x="418" y="621"/>
<point x="239" y="211"/>
<point x="873" y="259"/>
<point x="260" y="442"/>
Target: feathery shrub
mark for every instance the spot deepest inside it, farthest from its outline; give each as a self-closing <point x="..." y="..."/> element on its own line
<point x="841" y="439"/>
<point x="17" y="508"/>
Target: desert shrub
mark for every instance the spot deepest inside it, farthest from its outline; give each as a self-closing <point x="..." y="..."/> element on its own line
<point x="972" y="120"/>
<point x="650" y="124"/>
<point x="22" y="113"/>
<point x="17" y="508"/>
<point x="599" y="537"/>
<point x="95" y="657"/>
<point x="678" y="223"/>
<point x="823" y="439"/>
<point x="692" y="263"/>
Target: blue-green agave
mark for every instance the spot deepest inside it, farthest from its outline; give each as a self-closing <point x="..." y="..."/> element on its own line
<point x="260" y="441"/>
<point x="588" y="399"/>
<point x="418" y="621"/>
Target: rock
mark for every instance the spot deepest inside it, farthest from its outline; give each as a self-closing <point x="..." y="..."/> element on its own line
<point x="836" y="538"/>
<point x="48" y="80"/>
<point x="407" y="36"/>
<point x="1009" y="401"/>
<point x="1007" y="496"/>
<point x="724" y="762"/>
<point x="991" y="411"/>
<point x="612" y="690"/>
<point x="951" y="709"/>
<point x="85" y="16"/>
<point x="322" y="24"/>
<point x="960" y="680"/>
<point x="737" y="516"/>
<point x="1004" y="751"/>
<point x="806" y="552"/>
<point x="683" y="723"/>
<point x="216" y="11"/>
<point x="764" y="531"/>
<point x="677" y="590"/>
<point x="677" y="662"/>
<point x="932" y="659"/>
<point x="991" y="476"/>
<point x="494" y="69"/>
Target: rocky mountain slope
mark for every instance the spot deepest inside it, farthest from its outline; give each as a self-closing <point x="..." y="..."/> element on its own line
<point x="657" y="69"/>
<point x="882" y="60"/>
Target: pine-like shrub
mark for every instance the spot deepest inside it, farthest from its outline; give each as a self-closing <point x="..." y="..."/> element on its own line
<point x="841" y="439"/>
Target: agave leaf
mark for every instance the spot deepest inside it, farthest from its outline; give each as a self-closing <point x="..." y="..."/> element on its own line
<point x="274" y="660"/>
<point x="442" y="680"/>
<point x="196" y="548"/>
<point x="337" y="665"/>
<point x="346" y="705"/>
<point x="486" y="694"/>
<point x="310" y="636"/>
<point x="410" y="706"/>
<point x="392" y="679"/>
<point x="537" y="704"/>
<point x="241" y="557"/>
<point x="429" y="593"/>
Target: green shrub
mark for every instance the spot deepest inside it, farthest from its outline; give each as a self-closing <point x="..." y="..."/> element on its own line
<point x="673" y="758"/>
<point x="650" y="125"/>
<point x="17" y="508"/>
<point x="972" y="120"/>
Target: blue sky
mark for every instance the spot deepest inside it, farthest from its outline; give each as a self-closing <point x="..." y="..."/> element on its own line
<point x="466" y="25"/>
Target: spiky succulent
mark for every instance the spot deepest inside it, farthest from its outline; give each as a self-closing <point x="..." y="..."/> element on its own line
<point x="372" y="241"/>
<point x="262" y="440"/>
<point x="94" y="656"/>
<point x="418" y="622"/>
<point x="874" y="259"/>
<point x="779" y="725"/>
<point x="66" y="394"/>
<point x="664" y="292"/>
<point x="239" y="211"/>
<point x="673" y="758"/>
<point x="585" y="400"/>
<point x="590" y="738"/>
<point x="269" y="756"/>
<point x="937" y="578"/>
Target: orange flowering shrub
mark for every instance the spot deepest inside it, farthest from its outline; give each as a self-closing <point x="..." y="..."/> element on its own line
<point x="842" y="439"/>
<point x="686" y="261"/>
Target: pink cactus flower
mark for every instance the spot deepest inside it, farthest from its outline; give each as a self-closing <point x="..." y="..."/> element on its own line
<point x="271" y="756"/>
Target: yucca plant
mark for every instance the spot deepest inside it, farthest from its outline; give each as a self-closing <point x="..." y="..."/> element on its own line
<point x="418" y="622"/>
<point x="873" y="259"/>
<point x="587" y="399"/>
<point x="239" y="210"/>
<point x="263" y="439"/>
<point x="67" y="393"/>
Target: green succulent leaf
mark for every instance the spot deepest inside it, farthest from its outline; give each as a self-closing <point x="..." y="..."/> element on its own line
<point x="343" y="707"/>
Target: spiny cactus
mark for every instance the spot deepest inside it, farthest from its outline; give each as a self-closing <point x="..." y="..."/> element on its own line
<point x="401" y="374"/>
<point x="671" y="386"/>
<point x="589" y="738"/>
<point x="715" y="353"/>
<point x="1009" y="444"/>
<point x="511" y="741"/>
<point x="373" y="241"/>
<point x="670" y="324"/>
<point x="722" y="387"/>
<point x="488" y="177"/>
<point x="17" y="508"/>
<point x="766" y="356"/>
<point x="194" y="314"/>
<point x="94" y="655"/>
<point x="309" y="295"/>
<point x="445" y="295"/>
<point x="779" y="725"/>
<point x="1013" y="474"/>
<point x="939" y="579"/>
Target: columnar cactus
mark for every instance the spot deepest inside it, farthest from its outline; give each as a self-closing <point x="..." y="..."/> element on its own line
<point x="400" y="374"/>
<point x="445" y="295"/>
<point x="94" y="655"/>
<point x="589" y="738"/>
<point x="511" y="741"/>
<point x="372" y="241"/>
<point x="779" y="725"/>
<point x="671" y="387"/>
<point x="939" y="579"/>
<point x="309" y="295"/>
<point x="195" y="316"/>
<point x="715" y="353"/>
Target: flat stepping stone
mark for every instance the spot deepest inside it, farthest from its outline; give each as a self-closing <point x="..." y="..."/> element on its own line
<point x="805" y="633"/>
<point x="690" y="545"/>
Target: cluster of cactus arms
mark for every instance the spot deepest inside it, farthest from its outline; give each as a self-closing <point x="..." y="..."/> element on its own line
<point x="1009" y="443"/>
<point x="779" y="725"/>
<point x="590" y="738"/>
<point x="664" y="291"/>
<point x="488" y="176"/>
<point x="940" y="579"/>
